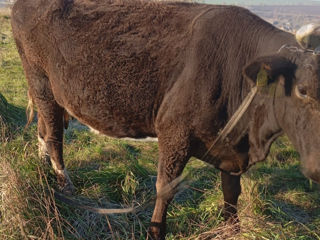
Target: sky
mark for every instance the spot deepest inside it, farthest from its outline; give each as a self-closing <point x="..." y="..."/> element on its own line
<point x="264" y="2"/>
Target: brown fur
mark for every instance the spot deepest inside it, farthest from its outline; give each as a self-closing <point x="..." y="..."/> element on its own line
<point x="171" y="70"/>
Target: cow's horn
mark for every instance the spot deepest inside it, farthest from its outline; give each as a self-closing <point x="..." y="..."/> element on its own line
<point x="308" y="36"/>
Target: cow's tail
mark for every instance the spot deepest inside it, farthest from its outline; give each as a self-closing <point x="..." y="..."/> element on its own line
<point x="30" y="113"/>
<point x="30" y="110"/>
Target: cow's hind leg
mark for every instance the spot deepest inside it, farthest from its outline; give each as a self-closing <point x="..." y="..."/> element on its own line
<point x="50" y="117"/>
<point x="50" y="128"/>
<point x="51" y="131"/>
<point x="173" y="156"/>
<point x="42" y="146"/>
<point x="231" y="190"/>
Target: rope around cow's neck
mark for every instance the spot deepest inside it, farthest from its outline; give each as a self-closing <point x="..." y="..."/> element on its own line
<point x="234" y="119"/>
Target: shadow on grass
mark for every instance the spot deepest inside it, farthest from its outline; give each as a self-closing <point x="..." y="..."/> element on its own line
<point x="12" y="119"/>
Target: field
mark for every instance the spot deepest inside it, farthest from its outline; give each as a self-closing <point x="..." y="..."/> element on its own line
<point x="289" y="18"/>
<point x="277" y="201"/>
<point x="264" y="3"/>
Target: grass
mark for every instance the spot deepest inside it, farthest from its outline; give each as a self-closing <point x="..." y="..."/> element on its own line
<point x="277" y="202"/>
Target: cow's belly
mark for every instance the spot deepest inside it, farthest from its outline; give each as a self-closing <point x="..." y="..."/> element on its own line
<point x="110" y="124"/>
<point x="112" y="106"/>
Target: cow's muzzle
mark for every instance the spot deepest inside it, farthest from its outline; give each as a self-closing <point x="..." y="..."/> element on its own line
<point x="311" y="168"/>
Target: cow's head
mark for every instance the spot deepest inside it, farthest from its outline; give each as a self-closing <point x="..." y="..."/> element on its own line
<point x="289" y="91"/>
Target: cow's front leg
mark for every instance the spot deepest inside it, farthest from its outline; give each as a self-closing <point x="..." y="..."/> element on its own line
<point x="172" y="160"/>
<point x="231" y="190"/>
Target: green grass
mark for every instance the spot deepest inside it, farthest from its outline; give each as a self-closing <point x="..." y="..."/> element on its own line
<point x="277" y="201"/>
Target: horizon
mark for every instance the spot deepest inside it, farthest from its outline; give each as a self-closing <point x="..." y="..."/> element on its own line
<point x="264" y="3"/>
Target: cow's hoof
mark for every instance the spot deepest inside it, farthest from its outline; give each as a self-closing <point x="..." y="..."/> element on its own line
<point x="155" y="233"/>
<point x="233" y="225"/>
<point x="68" y="189"/>
<point x="65" y="184"/>
<point x="235" y="228"/>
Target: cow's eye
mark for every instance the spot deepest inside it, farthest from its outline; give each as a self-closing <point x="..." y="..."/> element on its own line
<point x="301" y="91"/>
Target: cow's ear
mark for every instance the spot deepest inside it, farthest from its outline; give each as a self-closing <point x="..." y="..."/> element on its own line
<point x="265" y="73"/>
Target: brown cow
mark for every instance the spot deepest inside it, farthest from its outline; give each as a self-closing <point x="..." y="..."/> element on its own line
<point x="172" y="71"/>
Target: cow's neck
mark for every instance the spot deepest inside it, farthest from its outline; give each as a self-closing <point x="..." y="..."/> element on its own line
<point x="257" y="128"/>
<point x="272" y="41"/>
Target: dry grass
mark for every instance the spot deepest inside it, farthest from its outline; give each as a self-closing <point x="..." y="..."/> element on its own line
<point x="28" y="211"/>
<point x="5" y="11"/>
<point x="4" y="131"/>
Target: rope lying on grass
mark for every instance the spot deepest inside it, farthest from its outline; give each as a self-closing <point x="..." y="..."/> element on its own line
<point x="103" y="211"/>
<point x="175" y="185"/>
